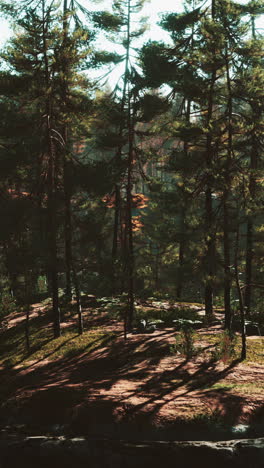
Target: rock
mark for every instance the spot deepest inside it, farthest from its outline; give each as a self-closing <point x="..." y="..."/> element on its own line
<point x="146" y="327"/>
<point x="240" y="429"/>
<point x="81" y="452"/>
<point x="183" y="323"/>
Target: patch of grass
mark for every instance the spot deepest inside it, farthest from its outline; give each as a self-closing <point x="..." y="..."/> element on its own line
<point x="221" y="386"/>
<point x="71" y="344"/>
<point x="255" y="347"/>
<point x="210" y="338"/>
<point x="255" y="351"/>
<point x="247" y="388"/>
<point x="43" y="346"/>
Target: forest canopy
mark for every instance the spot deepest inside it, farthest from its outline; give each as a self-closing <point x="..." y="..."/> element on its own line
<point x="153" y="188"/>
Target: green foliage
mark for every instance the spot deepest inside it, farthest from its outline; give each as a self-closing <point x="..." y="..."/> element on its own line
<point x="150" y="106"/>
<point x="184" y="343"/>
<point x="225" y="349"/>
<point x="175" y="22"/>
<point x="115" y="307"/>
<point x="103" y="58"/>
<point x="187" y="132"/>
<point x="42" y="284"/>
<point x="107" y="21"/>
<point x="157" y="64"/>
<point x="166" y="315"/>
<point x="7" y="305"/>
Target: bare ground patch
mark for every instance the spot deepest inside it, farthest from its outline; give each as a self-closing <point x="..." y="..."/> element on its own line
<point x="138" y="381"/>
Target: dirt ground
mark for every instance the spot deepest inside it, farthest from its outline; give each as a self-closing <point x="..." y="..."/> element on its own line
<point x="138" y="381"/>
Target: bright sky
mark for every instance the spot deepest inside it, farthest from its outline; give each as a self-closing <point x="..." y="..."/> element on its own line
<point x="152" y="9"/>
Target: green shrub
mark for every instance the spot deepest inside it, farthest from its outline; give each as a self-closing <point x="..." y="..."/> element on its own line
<point x="167" y="315"/>
<point x="42" y="284"/>
<point x="225" y="349"/>
<point x="218" y="301"/>
<point x="184" y="342"/>
<point x="114" y="306"/>
<point x="7" y="305"/>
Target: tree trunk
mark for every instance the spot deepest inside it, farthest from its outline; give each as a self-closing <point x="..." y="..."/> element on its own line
<point x="115" y="239"/>
<point x="182" y="244"/>
<point x="52" y="189"/>
<point x="129" y="226"/>
<point x="252" y="191"/>
<point x="227" y="278"/>
<point x="67" y="231"/>
<point x="78" y="300"/>
<point x="241" y="301"/>
<point x="210" y="254"/>
<point x="227" y="190"/>
<point x="52" y="227"/>
<point x="27" y="306"/>
<point x="249" y="263"/>
<point x="250" y="224"/>
<point x="66" y="175"/>
<point x="157" y="276"/>
<point x="130" y="247"/>
<point x="209" y="225"/>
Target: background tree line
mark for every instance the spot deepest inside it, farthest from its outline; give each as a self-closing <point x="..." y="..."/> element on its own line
<point x="154" y="187"/>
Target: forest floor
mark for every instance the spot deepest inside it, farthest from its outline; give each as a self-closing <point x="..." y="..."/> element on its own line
<point x="95" y="380"/>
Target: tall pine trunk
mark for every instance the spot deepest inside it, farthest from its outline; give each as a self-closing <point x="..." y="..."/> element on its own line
<point x="78" y="300"/>
<point x="250" y="224"/>
<point x="227" y="190"/>
<point x="66" y="175"/>
<point x="117" y="229"/>
<point x="52" y="239"/>
<point x="249" y="264"/>
<point x="252" y="192"/>
<point x="52" y="187"/>
<point x="129" y="246"/>
<point x="182" y="243"/>
<point x="116" y="234"/>
<point x="129" y="257"/>
<point x="27" y="307"/>
<point x="209" y="220"/>
<point x="240" y="299"/>
<point x="67" y="232"/>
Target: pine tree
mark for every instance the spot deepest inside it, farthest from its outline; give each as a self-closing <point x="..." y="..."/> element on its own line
<point x="31" y="57"/>
<point x="252" y="63"/>
<point x="123" y="138"/>
<point x="194" y="35"/>
<point x="100" y="21"/>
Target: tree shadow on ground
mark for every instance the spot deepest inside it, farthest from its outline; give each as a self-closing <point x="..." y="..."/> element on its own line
<point x="119" y="383"/>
